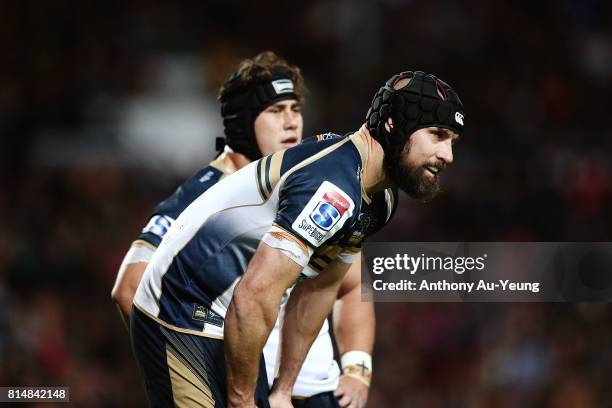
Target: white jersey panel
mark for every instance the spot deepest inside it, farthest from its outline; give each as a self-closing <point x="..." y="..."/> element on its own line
<point x="235" y="191"/>
<point x="319" y="372"/>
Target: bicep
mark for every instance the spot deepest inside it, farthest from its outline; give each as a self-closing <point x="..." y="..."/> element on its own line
<point x="133" y="274"/>
<point x="132" y="268"/>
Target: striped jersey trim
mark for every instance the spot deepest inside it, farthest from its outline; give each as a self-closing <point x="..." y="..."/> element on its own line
<point x="139" y="243"/>
<point x="313" y="158"/>
<point x="268" y="173"/>
<point x="359" y="140"/>
<point x="176" y="328"/>
<point x="258" y="177"/>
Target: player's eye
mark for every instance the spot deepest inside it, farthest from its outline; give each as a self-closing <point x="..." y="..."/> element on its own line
<point x="440" y="135"/>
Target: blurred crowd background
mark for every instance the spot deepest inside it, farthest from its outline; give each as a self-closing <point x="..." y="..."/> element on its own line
<point x="106" y="107"/>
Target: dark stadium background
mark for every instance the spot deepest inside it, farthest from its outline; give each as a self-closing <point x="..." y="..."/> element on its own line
<point x="105" y="107"/>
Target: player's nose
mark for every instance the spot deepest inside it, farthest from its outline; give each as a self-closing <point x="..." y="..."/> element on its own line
<point x="291" y="119"/>
<point x="445" y="151"/>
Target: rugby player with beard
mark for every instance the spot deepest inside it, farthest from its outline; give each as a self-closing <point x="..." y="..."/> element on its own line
<point x="211" y="292"/>
<point x="256" y="128"/>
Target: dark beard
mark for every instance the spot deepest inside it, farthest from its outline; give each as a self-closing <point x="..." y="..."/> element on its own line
<point x="415" y="183"/>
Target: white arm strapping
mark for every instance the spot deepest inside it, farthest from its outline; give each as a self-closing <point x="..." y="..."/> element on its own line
<point x="136" y="254"/>
<point x="279" y="239"/>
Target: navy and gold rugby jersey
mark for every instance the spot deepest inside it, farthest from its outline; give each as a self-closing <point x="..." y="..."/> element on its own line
<point x="311" y="192"/>
<point x="168" y="210"/>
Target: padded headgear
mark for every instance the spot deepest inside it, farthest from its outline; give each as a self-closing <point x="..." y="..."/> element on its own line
<point x="425" y="101"/>
<point x="241" y="105"/>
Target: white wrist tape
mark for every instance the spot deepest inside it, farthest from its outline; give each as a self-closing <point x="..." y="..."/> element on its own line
<point x="357" y="364"/>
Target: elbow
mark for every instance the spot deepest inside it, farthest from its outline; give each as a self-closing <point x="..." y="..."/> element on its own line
<point x="120" y="294"/>
<point x="243" y="300"/>
<point x="249" y="302"/>
<point x="116" y="295"/>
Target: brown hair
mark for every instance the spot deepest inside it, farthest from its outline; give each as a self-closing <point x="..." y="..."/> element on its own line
<point x="263" y="66"/>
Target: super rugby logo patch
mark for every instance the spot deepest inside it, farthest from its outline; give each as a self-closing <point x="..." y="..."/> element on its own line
<point x="328" y="212"/>
<point x="324" y="214"/>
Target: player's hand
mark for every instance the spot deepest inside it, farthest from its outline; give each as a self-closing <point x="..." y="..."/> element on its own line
<point x="278" y="400"/>
<point x="351" y="392"/>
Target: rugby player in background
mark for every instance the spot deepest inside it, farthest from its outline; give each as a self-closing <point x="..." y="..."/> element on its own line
<point x="261" y="110"/>
<point x="209" y="297"/>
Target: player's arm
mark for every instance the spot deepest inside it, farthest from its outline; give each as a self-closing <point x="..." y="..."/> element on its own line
<point x="309" y="305"/>
<point x="313" y="206"/>
<point x="354" y="320"/>
<point x="130" y="273"/>
<point x="136" y="260"/>
<point x="251" y="316"/>
<point x="354" y="325"/>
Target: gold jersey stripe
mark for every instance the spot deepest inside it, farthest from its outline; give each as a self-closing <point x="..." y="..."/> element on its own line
<point x="188" y="390"/>
<point x="265" y="167"/>
<point x="276" y="160"/>
<point x="258" y="173"/>
<point x="359" y="140"/>
<point x="139" y="243"/>
<point x="330" y="250"/>
<point x="318" y="263"/>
